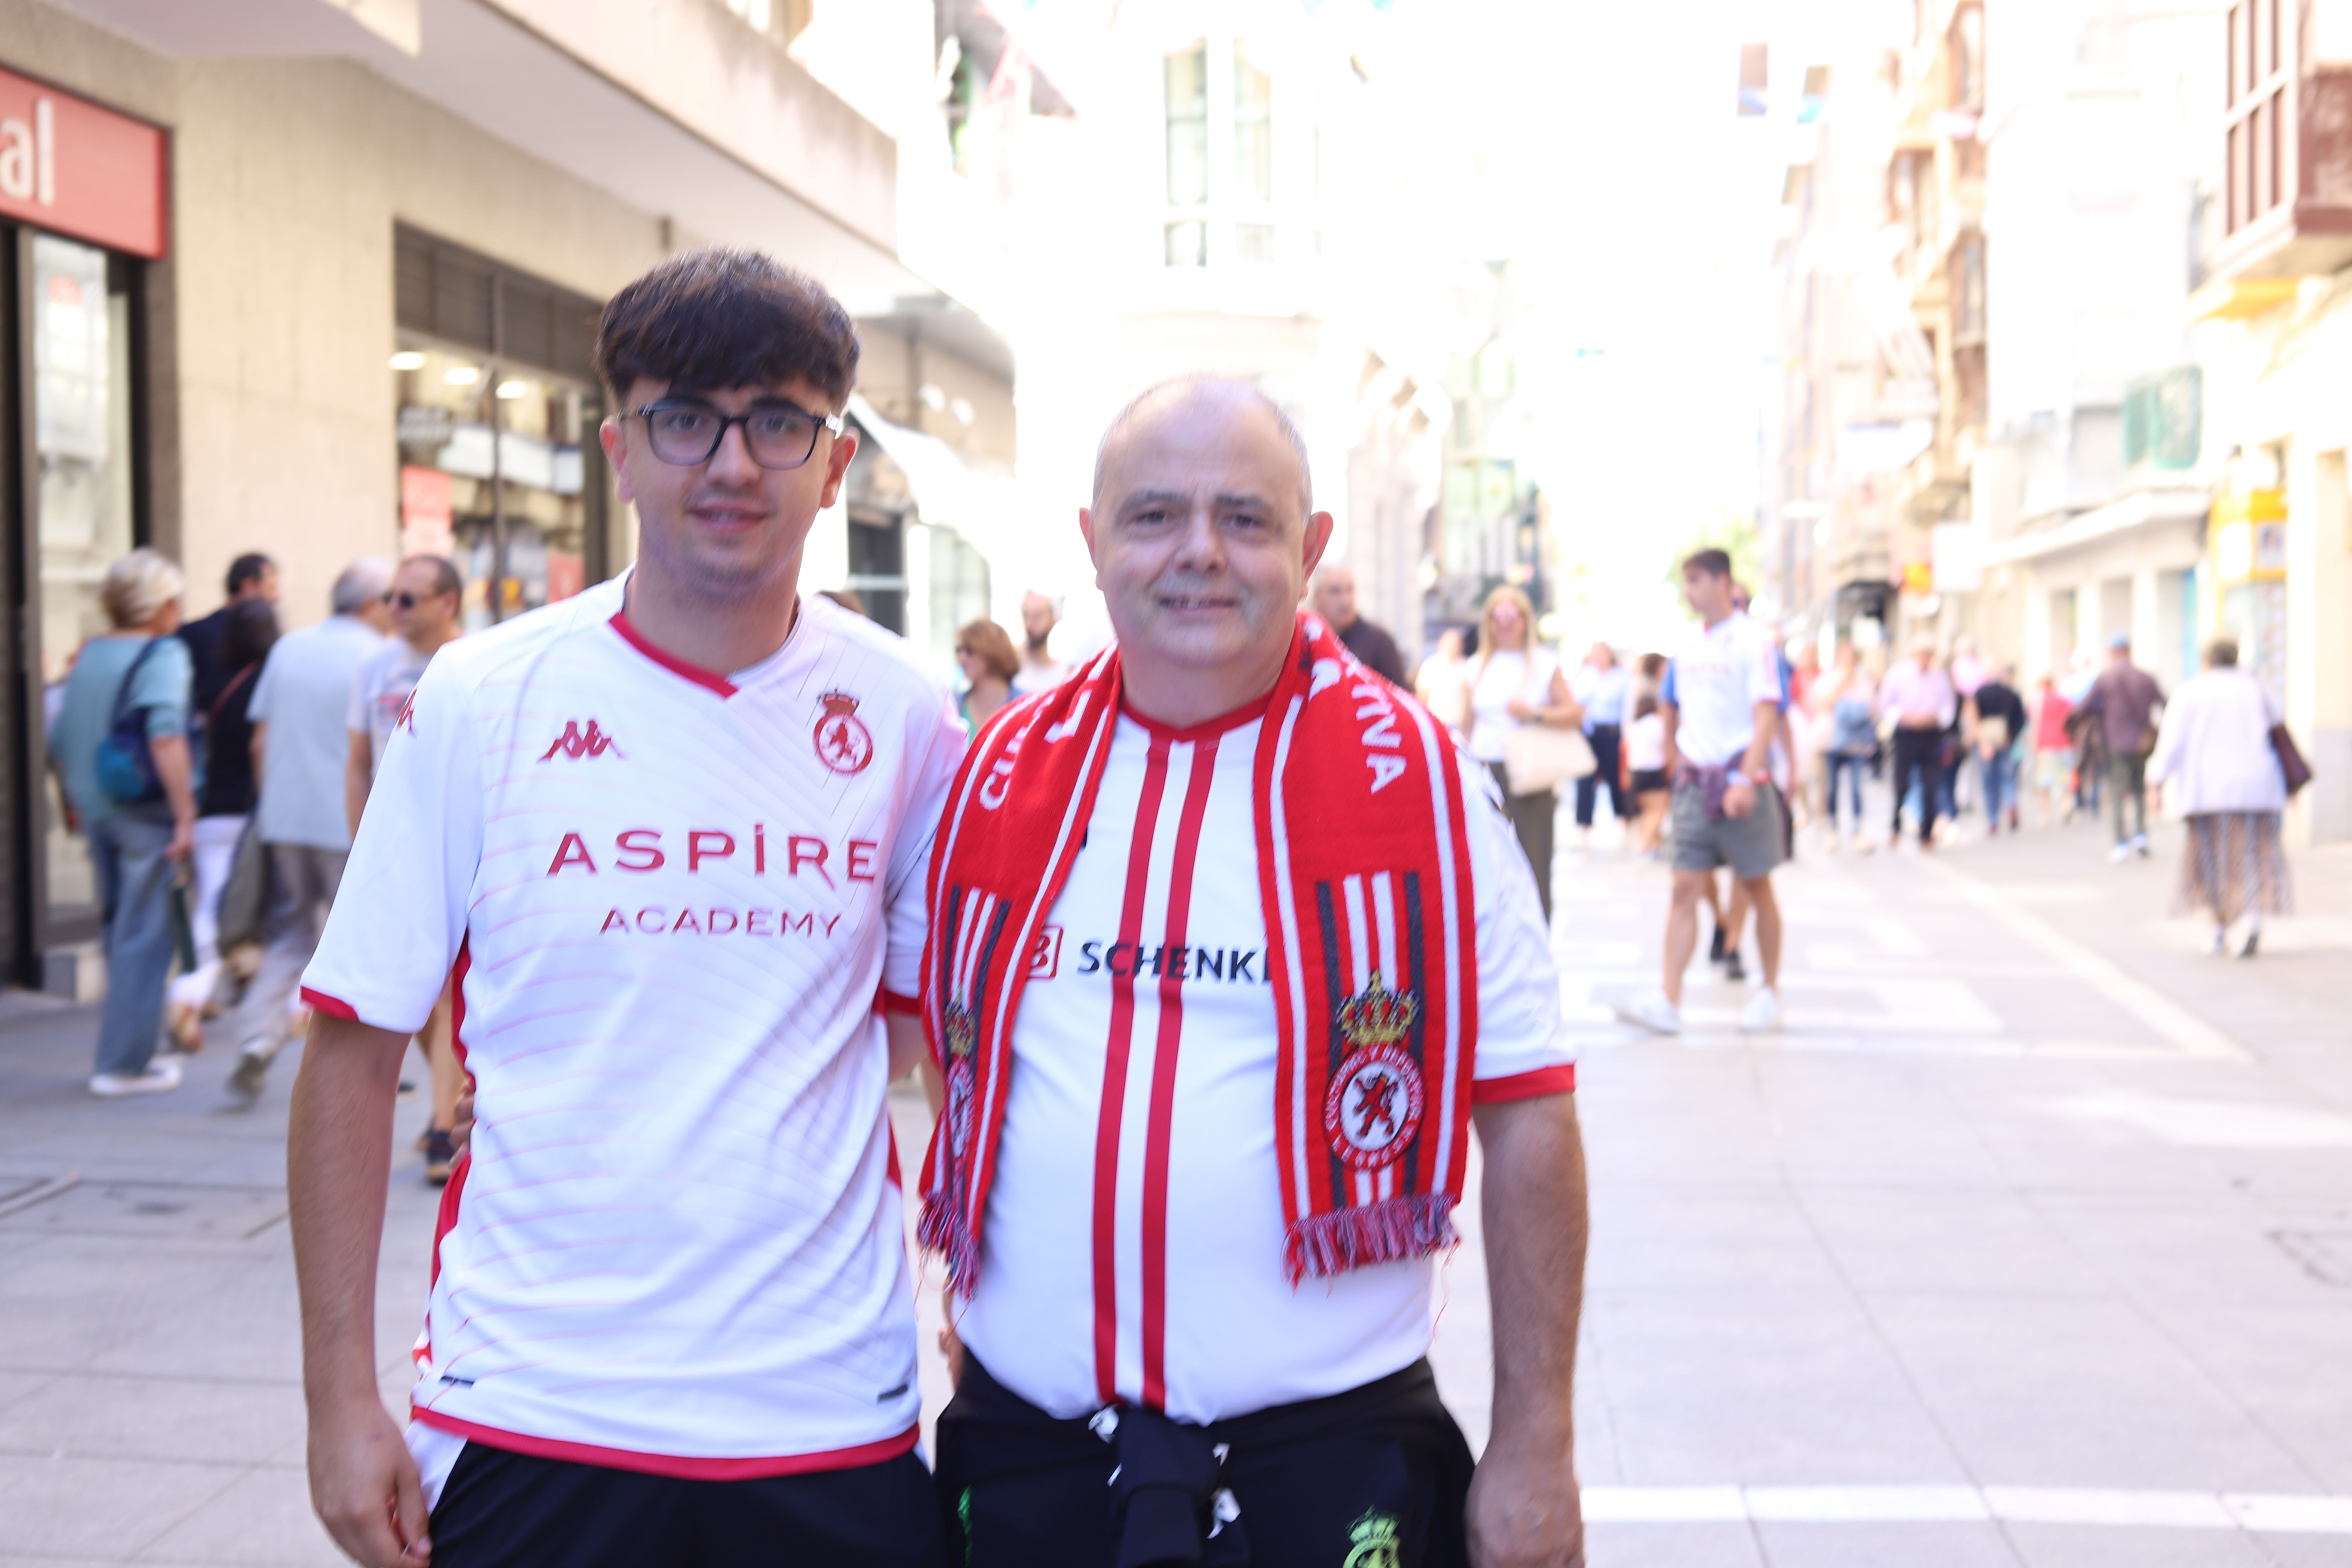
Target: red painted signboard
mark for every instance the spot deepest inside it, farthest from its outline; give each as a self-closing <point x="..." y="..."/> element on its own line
<point x="68" y="166"/>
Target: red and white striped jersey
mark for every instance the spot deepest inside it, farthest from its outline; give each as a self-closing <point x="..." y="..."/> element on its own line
<point x="671" y="899"/>
<point x="1132" y="1249"/>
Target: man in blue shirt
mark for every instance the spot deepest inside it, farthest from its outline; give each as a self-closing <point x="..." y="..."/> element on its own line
<point x="1601" y="683"/>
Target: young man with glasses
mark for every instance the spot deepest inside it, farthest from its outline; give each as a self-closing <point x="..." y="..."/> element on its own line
<point x="669" y="835"/>
<point x="425" y="597"/>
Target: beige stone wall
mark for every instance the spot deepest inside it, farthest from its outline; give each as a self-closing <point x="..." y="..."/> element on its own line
<point x="289" y="176"/>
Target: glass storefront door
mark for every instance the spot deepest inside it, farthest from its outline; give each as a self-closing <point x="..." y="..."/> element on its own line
<point x="80" y="341"/>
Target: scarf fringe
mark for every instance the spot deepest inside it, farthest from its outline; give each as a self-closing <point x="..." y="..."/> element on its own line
<point x="942" y="1230"/>
<point x="1412" y="1226"/>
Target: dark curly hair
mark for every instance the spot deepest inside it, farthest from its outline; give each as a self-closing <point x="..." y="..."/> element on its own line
<point x="716" y="317"/>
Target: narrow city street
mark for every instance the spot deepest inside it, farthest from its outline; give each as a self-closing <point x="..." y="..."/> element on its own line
<point x="2029" y="1240"/>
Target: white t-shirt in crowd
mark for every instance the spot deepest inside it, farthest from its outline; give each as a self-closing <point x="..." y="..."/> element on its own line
<point x="380" y="690"/>
<point x="672" y="901"/>
<point x="1646" y="744"/>
<point x="1179" y="1183"/>
<point x="1715" y="684"/>
<point x="1508" y="674"/>
<point x="304" y="694"/>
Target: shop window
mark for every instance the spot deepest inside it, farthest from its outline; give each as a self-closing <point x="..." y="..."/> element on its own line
<point x="82" y="444"/>
<point x="877" y="567"/>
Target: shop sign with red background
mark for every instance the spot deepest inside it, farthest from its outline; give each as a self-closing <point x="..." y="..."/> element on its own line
<point x="72" y="168"/>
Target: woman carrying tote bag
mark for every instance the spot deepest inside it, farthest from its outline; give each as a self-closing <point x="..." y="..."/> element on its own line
<point x="1524" y="725"/>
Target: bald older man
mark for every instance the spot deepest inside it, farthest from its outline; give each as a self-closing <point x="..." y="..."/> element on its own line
<point x="1229" y="955"/>
<point x="1335" y="601"/>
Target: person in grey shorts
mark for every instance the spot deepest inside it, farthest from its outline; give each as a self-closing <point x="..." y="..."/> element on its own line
<point x="1721" y="704"/>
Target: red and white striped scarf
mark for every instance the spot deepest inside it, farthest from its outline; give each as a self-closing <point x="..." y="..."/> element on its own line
<point x="1364" y="875"/>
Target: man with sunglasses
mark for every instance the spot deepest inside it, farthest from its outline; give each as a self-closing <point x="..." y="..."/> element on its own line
<point x="425" y="597"/>
<point x="670" y="835"/>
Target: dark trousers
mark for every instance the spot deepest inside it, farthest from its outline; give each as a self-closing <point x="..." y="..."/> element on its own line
<point x="2127" y="791"/>
<point x="1374" y="1476"/>
<point x="1919" y="752"/>
<point x="1531" y="818"/>
<point x="1850" y="767"/>
<point x="513" y="1510"/>
<point x="1608" y="749"/>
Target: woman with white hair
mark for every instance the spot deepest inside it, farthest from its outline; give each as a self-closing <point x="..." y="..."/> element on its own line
<point x="120" y="744"/>
<point x="2215" y="759"/>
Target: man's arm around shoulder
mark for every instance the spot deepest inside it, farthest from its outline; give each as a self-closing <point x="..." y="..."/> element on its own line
<point x="363" y="1482"/>
<point x="1525" y="1512"/>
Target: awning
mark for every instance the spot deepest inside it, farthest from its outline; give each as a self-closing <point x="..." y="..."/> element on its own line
<point x="948" y="491"/>
<point x="2136" y="511"/>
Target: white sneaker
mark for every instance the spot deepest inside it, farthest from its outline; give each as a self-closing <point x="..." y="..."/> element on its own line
<point x="2120" y="853"/>
<point x="1651" y="1011"/>
<point x="1762" y="1012"/>
<point x="161" y="1078"/>
<point x="2139" y="846"/>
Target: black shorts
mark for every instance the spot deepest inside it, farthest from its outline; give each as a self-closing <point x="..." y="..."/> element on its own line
<point x="1646" y="780"/>
<point x="1317" y="1495"/>
<point x="500" y="1510"/>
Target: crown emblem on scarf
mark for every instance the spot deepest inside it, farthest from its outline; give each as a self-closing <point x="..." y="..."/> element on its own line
<point x="963" y="1030"/>
<point x="838" y="704"/>
<point x="1377" y="1016"/>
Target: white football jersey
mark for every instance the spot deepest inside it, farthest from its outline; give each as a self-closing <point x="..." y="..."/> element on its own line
<point x="1132" y="1250"/>
<point x="672" y="901"/>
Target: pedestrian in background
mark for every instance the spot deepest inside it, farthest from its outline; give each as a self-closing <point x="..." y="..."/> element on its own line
<point x="1516" y="681"/>
<point x="2053" y="751"/>
<point x="2126" y="698"/>
<point x="301" y="747"/>
<point x="1918" y="697"/>
<point x="1996" y="726"/>
<point x="1039" y="669"/>
<point x="1444" y="677"/>
<point x="1848" y="696"/>
<point x="985" y="654"/>
<point x="224" y="806"/>
<point x="425" y="592"/>
<point x="121" y="743"/>
<point x="2214" y="760"/>
<point x="1600" y="684"/>
<point x="1334" y="599"/>
<point x="250" y="576"/>
<point x="1722" y="707"/>
<point x="1645" y="766"/>
<point x="2083" y="731"/>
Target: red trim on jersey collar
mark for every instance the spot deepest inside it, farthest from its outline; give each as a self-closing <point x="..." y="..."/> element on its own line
<point x="1248" y="712"/>
<point x="680" y="1467"/>
<point x="705" y="679"/>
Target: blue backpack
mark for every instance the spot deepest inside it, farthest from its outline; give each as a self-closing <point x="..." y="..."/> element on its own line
<point x="126" y="768"/>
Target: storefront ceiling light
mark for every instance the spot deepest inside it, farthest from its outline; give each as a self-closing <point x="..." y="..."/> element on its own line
<point x="462" y="375"/>
<point x="408" y="359"/>
<point x="513" y="389"/>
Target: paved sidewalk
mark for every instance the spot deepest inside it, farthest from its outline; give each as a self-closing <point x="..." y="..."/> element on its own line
<point x="2033" y="1215"/>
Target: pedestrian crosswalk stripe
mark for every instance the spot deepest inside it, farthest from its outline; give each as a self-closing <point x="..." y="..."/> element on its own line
<point x="2283" y="1513"/>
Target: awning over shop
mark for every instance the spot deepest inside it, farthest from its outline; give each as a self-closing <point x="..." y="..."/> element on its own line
<point x="2138" y="509"/>
<point x="948" y="492"/>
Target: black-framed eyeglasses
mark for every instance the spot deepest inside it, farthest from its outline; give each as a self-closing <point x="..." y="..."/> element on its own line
<point x="686" y="431"/>
<point x="403" y="600"/>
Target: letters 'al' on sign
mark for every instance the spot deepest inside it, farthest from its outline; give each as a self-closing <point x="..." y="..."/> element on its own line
<point x="72" y="168"/>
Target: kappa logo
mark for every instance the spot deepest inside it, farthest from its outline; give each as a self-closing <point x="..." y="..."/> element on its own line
<point x="842" y="742"/>
<point x="576" y="743"/>
<point x="406" y="718"/>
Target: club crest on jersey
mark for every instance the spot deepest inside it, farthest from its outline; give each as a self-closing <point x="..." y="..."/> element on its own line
<point x="842" y="743"/>
<point x="1373" y="1110"/>
<point x="576" y="743"/>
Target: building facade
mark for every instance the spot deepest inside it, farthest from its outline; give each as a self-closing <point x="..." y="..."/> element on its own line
<point x="319" y="277"/>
